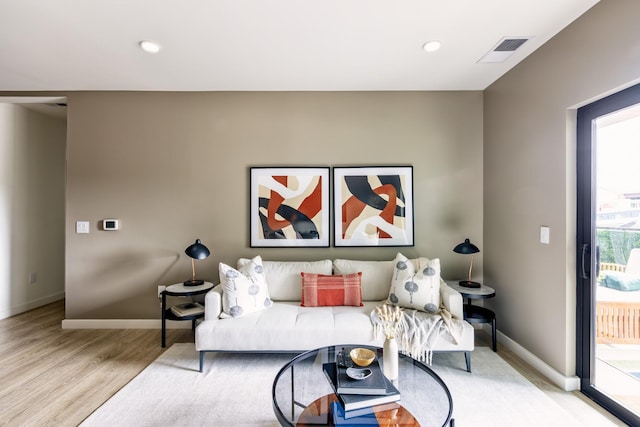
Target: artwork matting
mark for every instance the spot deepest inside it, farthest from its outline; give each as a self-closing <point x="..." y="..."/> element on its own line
<point x="373" y="206"/>
<point x="289" y="207"/>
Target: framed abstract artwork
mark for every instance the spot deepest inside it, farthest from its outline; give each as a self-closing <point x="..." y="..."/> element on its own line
<point x="289" y="207"/>
<point x="373" y="206"/>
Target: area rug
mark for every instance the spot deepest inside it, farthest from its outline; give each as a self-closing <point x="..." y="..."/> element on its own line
<point x="235" y="390"/>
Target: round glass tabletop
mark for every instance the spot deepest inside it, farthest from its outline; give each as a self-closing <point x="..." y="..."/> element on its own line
<point x="302" y="393"/>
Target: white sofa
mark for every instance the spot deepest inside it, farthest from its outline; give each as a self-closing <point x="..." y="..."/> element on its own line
<point x="286" y="326"/>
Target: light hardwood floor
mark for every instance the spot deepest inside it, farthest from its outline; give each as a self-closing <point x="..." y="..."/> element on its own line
<point x="55" y="377"/>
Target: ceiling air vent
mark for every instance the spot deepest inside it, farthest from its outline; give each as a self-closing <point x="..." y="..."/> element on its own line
<point x="503" y="50"/>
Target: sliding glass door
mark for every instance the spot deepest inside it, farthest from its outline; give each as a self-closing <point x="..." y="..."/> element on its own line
<point x="608" y="259"/>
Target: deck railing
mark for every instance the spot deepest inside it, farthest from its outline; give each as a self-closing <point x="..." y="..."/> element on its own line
<point x="617" y="322"/>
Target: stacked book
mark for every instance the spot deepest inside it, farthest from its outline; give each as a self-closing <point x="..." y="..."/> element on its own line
<point x="187" y="309"/>
<point x="357" y="397"/>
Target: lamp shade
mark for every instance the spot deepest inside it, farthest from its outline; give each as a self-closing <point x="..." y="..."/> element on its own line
<point x="466" y="248"/>
<point x="197" y="250"/>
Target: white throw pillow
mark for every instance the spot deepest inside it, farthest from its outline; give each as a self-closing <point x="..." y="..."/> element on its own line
<point x="416" y="287"/>
<point x="284" y="279"/>
<point x="376" y="276"/>
<point x="244" y="290"/>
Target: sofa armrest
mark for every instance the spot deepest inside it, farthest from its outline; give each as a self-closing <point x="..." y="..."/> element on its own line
<point x="213" y="303"/>
<point x="452" y="300"/>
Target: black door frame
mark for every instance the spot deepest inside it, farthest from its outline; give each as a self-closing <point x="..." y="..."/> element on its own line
<point x="587" y="259"/>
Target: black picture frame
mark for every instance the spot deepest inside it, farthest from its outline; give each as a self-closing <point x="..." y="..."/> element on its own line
<point x="373" y="206"/>
<point x="289" y="207"/>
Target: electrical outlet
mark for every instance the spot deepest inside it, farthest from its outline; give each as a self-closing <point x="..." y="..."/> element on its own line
<point x="160" y="290"/>
<point x="33" y="278"/>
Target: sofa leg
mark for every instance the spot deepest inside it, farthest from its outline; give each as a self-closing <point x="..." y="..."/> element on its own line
<point x="467" y="359"/>
<point x="201" y="360"/>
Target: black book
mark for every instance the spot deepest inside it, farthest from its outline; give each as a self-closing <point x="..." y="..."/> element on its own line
<point x="373" y="384"/>
<point x="357" y="401"/>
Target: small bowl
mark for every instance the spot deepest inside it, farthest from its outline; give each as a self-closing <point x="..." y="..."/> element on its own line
<point x="362" y="356"/>
<point x="359" y="373"/>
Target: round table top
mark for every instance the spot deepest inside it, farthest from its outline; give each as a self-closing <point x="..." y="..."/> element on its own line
<point x="180" y="288"/>
<point x="483" y="291"/>
<point x="301" y="383"/>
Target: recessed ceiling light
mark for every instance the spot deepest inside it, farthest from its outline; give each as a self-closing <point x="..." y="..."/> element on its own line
<point x="431" y="46"/>
<point x="149" y="46"/>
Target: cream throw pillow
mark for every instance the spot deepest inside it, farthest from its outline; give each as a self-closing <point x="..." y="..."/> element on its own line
<point x="244" y="290"/>
<point x="283" y="277"/>
<point x="416" y="287"/>
<point x="376" y="276"/>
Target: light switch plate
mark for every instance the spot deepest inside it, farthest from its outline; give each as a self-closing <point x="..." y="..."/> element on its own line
<point x="544" y="235"/>
<point x="82" y="227"/>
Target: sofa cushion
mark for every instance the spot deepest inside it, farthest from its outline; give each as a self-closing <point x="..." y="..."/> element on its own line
<point x="289" y="327"/>
<point x="283" y="277"/>
<point x="321" y="290"/>
<point x="417" y="288"/>
<point x="620" y="281"/>
<point x="376" y="276"/>
<point x="244" y="290"/>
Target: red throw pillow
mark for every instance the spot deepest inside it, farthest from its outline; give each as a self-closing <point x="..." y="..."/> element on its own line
<point x="321" y="290"/>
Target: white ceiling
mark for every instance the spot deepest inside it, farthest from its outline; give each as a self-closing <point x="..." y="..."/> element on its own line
<point x="267" y="45"/>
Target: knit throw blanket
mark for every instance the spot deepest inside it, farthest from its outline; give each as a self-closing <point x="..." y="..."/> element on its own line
<point x="418" y="331"/>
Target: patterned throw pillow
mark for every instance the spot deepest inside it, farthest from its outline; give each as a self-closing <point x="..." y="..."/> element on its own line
<point x="320" y="290"/>
<point x="244" y="290"/>
<point x="417" y="288"/>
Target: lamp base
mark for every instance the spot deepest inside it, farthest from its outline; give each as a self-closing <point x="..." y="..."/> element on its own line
<point x="193" y="282"/>
<point x="469" y="284"/>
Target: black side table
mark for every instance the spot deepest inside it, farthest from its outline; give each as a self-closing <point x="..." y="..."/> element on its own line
<point x="180" y="290"/>
<point x="474" y="313"/>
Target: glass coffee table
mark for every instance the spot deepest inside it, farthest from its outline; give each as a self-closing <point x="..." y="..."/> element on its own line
<point x="302" y="394"/>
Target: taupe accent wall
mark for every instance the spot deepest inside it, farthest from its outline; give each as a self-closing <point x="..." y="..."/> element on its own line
<point x="32" y="192"/>
<point x="173" y="167"/>
<point x="529" y="174"/>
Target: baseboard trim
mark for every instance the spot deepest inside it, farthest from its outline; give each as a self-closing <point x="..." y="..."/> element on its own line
<point x="30" y="305"/>
<point x="571" y="383"/>
<point x="122" y="324"/>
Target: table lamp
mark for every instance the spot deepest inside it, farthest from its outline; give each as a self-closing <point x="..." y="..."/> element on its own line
<point x="196" y="251"/>
<point x="467" y="248"/>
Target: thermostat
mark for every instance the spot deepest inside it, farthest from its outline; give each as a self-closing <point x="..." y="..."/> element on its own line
<point x="110" y="224"/>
